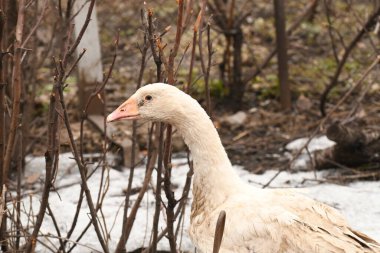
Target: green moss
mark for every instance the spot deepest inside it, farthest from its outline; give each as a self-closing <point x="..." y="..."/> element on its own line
<point x="352" y="66"/>
<point x="70" y="81"/>
<point x="312" y="28"/>
<point x="266" y="87"/>
<point x="217" y="89"/>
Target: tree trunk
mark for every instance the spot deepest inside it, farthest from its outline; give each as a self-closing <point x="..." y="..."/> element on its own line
<point x="90" y="67"/>
<point x="235" y="84"/>
<point x="282" y="57"/>
<point x="238" y="91"/>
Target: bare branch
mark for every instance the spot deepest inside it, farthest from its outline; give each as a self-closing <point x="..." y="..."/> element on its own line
<point x="371" y="21"/>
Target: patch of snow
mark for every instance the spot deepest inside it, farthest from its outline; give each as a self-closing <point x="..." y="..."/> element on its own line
<point x="302" y="162"/>
<point x="236" y="119"/>
<point x="357" y="201"/>
<point x="317" y="143"/>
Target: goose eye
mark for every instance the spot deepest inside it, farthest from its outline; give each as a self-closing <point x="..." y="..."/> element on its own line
<point x="148" y="97"/>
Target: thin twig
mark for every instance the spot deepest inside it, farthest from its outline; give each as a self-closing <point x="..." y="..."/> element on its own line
<point x="94" y="94"/>
<point x="160" y="133"/>
<point x="152" y="155"/>
<point x="33" y="30"/>
<point x="200" y="44"/>
<point x="51" y="214"/>
<point x="19" y="174"/>
<point x="73" y="47"/>
<point x="206" y="75"/>
<point x="168" y="191"/>
<point x="330" y="30"/>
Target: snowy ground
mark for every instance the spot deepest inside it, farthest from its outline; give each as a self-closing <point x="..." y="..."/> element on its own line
<point x="359" y="202"/>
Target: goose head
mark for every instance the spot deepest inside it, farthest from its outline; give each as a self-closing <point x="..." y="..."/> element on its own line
<point x="156" y="102"/>
<point x="165" y="103"/>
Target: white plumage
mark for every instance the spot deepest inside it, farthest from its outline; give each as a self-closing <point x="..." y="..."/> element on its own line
<point x="258" y="220"/>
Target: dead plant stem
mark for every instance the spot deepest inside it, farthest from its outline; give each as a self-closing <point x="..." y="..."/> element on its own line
<point x="16" y="84"/>
<point x="122" y="240"/>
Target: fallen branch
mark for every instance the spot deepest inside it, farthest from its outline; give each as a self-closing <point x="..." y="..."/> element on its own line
<point x="356" y="146"/>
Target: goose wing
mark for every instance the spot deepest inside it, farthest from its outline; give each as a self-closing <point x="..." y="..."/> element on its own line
<point x="284" y="221"/>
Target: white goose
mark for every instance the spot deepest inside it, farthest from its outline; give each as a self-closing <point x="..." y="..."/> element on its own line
<point x="258" y="220"/>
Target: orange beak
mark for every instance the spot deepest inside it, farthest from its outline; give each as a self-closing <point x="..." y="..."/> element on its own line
<point x="128" y="110"/>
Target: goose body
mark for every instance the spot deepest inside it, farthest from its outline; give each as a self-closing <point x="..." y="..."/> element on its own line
<point x="257" y="220"/>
